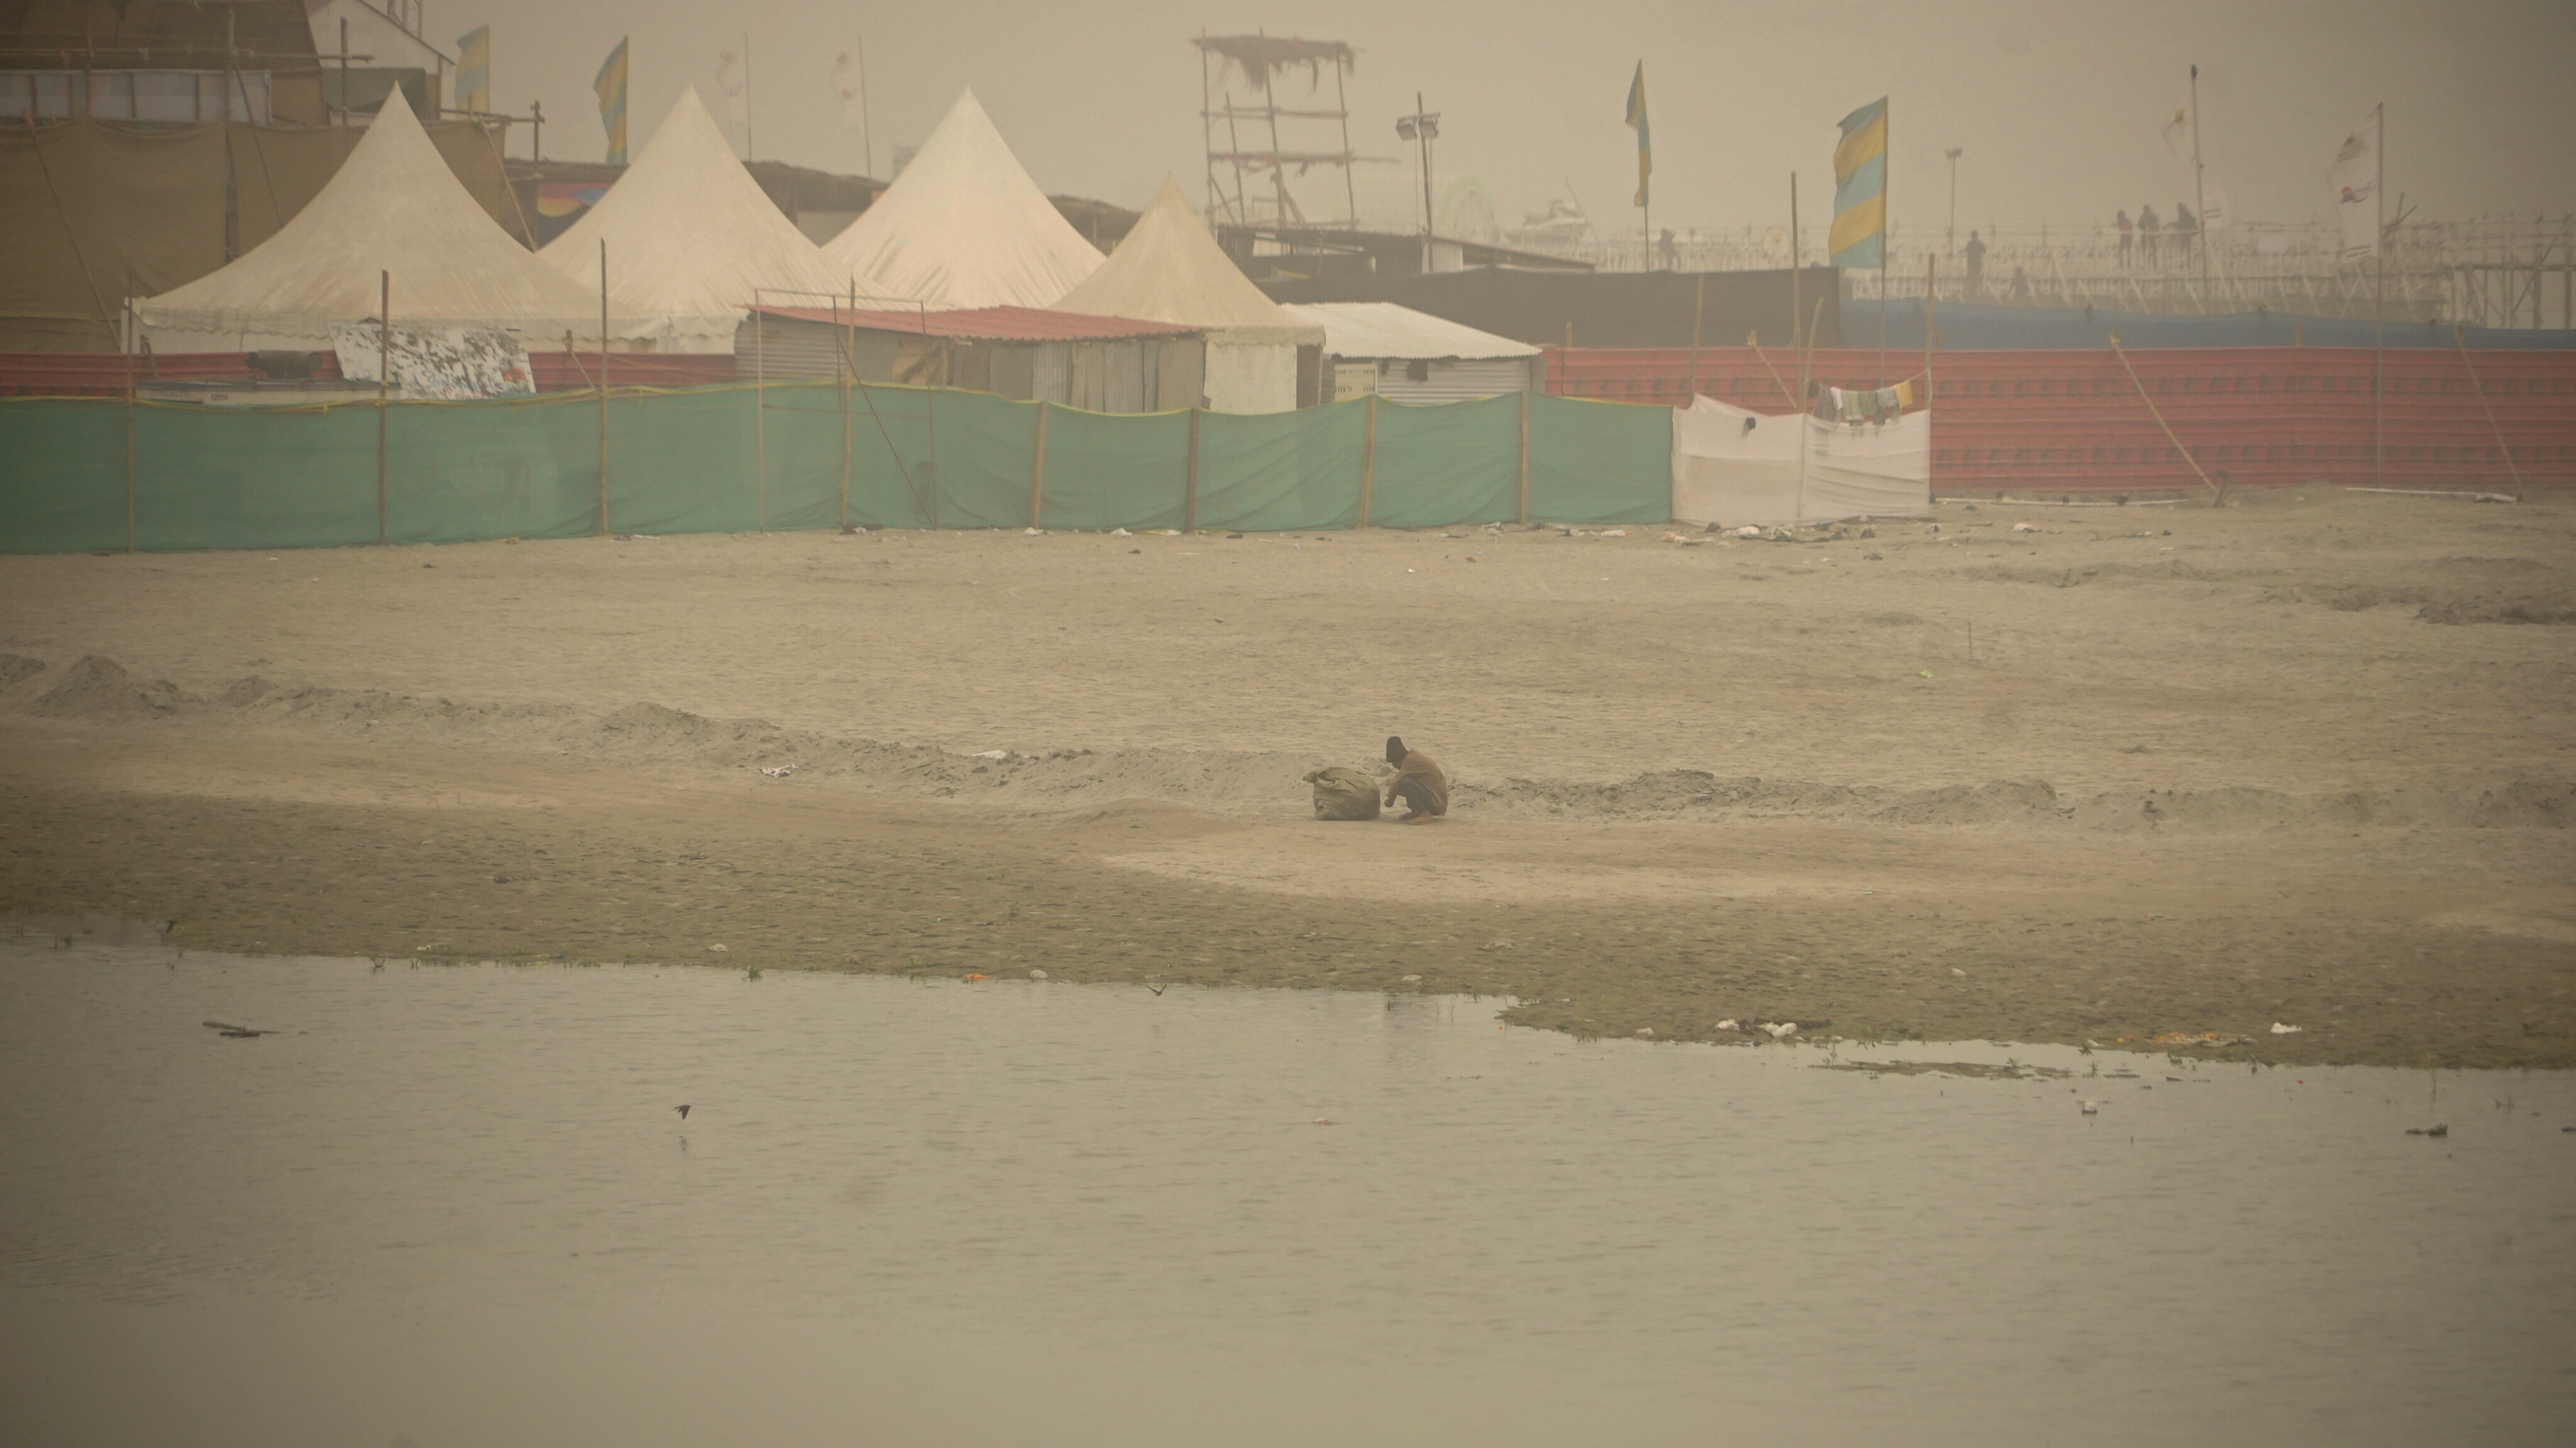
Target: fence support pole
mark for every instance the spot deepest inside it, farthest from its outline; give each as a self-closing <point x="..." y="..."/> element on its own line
<point x="126" y="343"/>
<point x="848" y="353"/>
<point x="1699" y="308"/>
<point x="1524" y="397"/>
<point x="1368" y="459"/>
<point x="384" y="388"/>
<point x="1190" y="486"/>
<point x="2460" y="337"/>
<point x="2158" y="414"/>
<point x="1037" y="471"/>
<point x="603" y="387"/>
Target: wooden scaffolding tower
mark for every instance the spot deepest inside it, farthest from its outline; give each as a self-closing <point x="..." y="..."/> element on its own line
<point x="1239" y="110"/>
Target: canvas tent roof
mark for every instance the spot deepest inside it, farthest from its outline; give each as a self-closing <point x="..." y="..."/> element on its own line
<point x="393" y="206"/>
<point x="1169" y="269"/>
<point x="1383" y="329"/>
<point x="963" y="226"/>
<point x="689" y="233"/>
<point x="987" y="324"/>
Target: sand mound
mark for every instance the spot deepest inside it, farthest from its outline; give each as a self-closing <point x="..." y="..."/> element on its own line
<point x="97" y="688"/>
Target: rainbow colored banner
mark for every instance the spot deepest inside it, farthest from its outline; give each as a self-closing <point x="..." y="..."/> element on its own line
<point x="611" y="85"/>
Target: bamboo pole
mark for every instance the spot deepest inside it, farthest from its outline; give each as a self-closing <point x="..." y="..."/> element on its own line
<point x="127" y="343"/>
<point x="935" y="364"/>
<point x="1754" y="341"/>
<point x="2460" y="338"/>
<point x="2158" y="414"/>
<point x="849" y="365"/>
<point x="1037" y="471"/>
<point x="1699" y="308"/>
<point x="603" y="387"/>
<point x="1190" y="481"/>
<point x="384" y="391"/>
<point x="1795" y="310"/>
<point x="1524" y="396"/>
<point x="1368" y="458"/>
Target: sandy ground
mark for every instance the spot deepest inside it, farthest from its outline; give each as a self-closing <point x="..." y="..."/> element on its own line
<point x="2041" y="774"/>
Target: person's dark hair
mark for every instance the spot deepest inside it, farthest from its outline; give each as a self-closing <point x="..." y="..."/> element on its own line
<point x="1395" y="750"/>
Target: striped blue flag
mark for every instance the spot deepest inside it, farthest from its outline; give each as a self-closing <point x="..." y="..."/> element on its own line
<point x="1859" y="237"/>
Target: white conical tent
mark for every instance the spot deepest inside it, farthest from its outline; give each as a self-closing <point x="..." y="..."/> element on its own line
<point x="690" y="235"/>
<point x="393" y="207"/>
<point x="964" y="226"/>
<point x="1169" y="269"/>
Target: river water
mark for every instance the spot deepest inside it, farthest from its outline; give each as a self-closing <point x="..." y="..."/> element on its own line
<point x="453" y="1205"/>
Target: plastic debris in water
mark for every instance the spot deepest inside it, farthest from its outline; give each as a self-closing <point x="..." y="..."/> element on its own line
<point x="2281" y="1030"/>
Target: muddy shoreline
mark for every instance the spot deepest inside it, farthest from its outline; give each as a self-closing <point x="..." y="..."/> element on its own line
<point x="1997" y="774"/>
<point x="589" y="862"/>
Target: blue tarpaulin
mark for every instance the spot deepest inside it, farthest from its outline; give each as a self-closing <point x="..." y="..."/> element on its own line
<point x="1985" y="326"/>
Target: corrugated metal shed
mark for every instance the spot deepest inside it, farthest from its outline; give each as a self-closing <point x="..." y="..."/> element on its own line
<point x="1353" y="330"/>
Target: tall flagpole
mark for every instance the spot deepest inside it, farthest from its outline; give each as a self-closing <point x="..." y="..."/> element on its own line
<point x="2378" y="286"/>
<point x="2199" y="192"/>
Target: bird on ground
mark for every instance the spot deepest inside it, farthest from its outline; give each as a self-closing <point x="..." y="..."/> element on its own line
<point x="683" y="1110"/>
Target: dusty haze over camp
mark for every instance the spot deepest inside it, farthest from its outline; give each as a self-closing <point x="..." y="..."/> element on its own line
<point x="2057" y="109"/>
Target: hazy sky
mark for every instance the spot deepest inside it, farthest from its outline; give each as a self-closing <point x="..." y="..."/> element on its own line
<point x="2058" y="105"/>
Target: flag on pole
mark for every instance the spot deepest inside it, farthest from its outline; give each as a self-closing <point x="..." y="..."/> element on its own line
<point x="1637" y="119"/>
<point x="2355" y="178"/>
<point x="849" y="85"/>
<point x="732" y="89"/>
<point x="1859" y="237"/>
<point x="474" y="69"/>
<point x="611" y="85"/>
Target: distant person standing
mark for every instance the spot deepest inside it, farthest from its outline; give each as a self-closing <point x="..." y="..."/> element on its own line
<point x="2020" y="285"/>
<point x="1418" y="782"/>
<point x="1976" y="264"/>
<point x="2128" y="230"/>
<point x="2148" y="226"/>
<point x="1667" y="255"/>
<point x="2186" y="230"/>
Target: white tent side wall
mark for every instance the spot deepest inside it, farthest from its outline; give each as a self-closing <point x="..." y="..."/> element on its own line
<point x="1733" y="467"/>
<point x="1249" y="372"/>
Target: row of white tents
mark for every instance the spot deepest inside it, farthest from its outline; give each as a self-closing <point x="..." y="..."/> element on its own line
<point x="689" y="244"/>
<point x="689" y="241"/>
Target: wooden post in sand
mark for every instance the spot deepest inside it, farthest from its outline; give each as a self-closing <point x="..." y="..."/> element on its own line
<point x="1524" y="397"/>
<point x="384" y="383"/>
<point x="1037" y="470"/>
<point x="603" y="387"/>
<point x="1368" y="458"/>
<point x="1190" y="482"/>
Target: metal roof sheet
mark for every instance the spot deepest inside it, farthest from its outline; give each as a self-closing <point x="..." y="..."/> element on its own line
<point x="1384" y="329"/>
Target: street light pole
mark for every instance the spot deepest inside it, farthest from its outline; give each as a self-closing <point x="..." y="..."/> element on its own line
<point x="1422" y="127"/>
<point x="1950" y="237"/>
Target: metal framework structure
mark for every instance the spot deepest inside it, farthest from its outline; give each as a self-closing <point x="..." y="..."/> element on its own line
<point x="2498" y="271"/>
<point x="1239" y="110"/>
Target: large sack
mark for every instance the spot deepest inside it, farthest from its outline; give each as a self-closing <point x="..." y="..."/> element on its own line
<point x="1344" y="794"/>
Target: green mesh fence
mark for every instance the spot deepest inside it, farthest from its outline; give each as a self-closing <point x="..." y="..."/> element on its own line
<point x="798" y="455"/>
<point x="1599" y="462"/>
<point x="62" y="475"/>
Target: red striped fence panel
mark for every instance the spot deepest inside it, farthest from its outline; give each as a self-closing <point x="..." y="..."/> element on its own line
<point x="2062" y="421"/>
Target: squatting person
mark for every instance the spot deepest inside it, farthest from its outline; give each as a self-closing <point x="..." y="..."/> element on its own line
<point x="1418" y="782"/>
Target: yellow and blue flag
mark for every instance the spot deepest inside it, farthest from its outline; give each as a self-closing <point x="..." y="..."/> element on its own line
<point x="474" y="69"/>
<point x="611" y="85"/>
<point x="1645" y="143"/>
<point x="1859" y="237"/>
